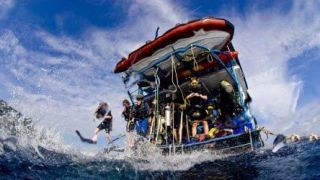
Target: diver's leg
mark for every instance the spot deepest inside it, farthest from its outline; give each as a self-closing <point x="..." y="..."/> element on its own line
<point x="175" y="135"/>
<point x="137" y="126"/>
<point x="145" y="127"/>
<point x="109" y="138"/>
<point x="205" y="127"/>
<point x="131" y="139"/>
<point x="132" y="126"/>
<point x="151" y="124"/>
<point x="95" y="136"/>
<point x="194" y="128"/>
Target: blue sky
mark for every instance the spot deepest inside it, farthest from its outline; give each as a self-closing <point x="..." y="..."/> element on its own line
<point x="56" y="57"/>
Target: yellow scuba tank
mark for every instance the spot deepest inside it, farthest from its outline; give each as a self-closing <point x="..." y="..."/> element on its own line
<point x="213" y="131"/>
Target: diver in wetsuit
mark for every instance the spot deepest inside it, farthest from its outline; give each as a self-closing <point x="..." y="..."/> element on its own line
<point x="141" y="113"/>
<point x="196" y="109"/>
<point x="228" y="104"/>
<point x="126" y="113"/>
<point x="103" y="113"/>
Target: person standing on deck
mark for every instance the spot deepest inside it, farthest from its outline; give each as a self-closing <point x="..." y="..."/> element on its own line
<point x="196" y="109"/>
<point x="127" y="114"/>
<point x="141" y="113"/>
<point x="228" y="104"/>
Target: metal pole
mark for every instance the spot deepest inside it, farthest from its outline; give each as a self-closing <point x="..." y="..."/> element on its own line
<point x="251" y="143"/>
<point x="166" y="135"/>
<point x="151" y="127"/>
<point x="187" y="124"/>
<point x="173" y="112"/>
<point x="157" y="118"/>
<point x="180" y="127"/>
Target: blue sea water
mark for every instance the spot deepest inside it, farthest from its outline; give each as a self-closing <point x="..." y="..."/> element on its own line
<point x="295" y="161"/>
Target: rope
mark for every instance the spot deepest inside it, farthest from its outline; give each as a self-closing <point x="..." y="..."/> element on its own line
<point x="172" y="75"/>
<point x="176" y="83"/>
<point x="210" y="57"/>
<point x="157" y="81"/>
<point x="177" y="86"/>
<point x="267" y="132"/>
<point x="195" y="63"/>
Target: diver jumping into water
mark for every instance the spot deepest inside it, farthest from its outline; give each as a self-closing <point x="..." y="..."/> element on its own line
<point x="102" y="113"/>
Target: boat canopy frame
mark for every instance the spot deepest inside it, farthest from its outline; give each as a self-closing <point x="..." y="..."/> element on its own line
<point x="229" y="67"/>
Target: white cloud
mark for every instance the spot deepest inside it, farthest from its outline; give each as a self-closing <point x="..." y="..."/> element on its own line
<point x="5" y="7"/>
<point x="305" y="120"/>
<point x="61" y="85"/>
<point x="267" y="41"/>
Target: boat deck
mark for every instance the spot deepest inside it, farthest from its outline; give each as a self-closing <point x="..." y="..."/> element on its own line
<point x="250" y="140"/>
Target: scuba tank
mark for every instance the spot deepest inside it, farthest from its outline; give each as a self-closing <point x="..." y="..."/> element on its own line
<point x="167" y="115"/>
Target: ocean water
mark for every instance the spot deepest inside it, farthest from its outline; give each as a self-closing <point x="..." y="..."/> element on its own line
<point x="21" y="159"/>
<point x="29" y="151"/>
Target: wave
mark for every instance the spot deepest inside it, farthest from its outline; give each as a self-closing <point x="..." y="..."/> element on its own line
<point x="29" y="151"/>
<point x="295" y="161"/>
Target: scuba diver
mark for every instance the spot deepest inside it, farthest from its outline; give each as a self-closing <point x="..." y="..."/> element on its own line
<point x="140" y="114"/>
<point x="196" y="109"/>
<point x="126" y="113"/>
<point x="151" y="119"/>
<point x="103" y="113"/>
<point x="228" y="104"/>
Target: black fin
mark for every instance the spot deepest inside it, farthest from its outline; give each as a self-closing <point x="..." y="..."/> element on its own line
<point x="86" y="140"/>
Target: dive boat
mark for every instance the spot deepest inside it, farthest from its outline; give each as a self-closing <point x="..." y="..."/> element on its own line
<point x="161" y="70"/>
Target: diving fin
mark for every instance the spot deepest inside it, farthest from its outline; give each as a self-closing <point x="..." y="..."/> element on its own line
<point x="117" y="138"/>
<point x="279" y="142"/>
<point x="109" y="149"/>
<point x="86" y="140"/>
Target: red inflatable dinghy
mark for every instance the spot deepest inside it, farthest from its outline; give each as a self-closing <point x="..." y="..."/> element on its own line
<point x="173" y="35"/>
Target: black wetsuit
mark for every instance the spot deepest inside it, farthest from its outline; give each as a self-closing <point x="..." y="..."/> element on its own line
<point x="177" y="117"/>
<point x="229" y="107"/>
<point x="127" y="114"/>
<point x="177" y="112"/>
<point x="106" y="124"/>
<point x="196" y="109"/>
<point x="140" y="112"/>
